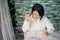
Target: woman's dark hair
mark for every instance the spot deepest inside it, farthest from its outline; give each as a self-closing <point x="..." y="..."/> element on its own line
<point x="39" y="8"/>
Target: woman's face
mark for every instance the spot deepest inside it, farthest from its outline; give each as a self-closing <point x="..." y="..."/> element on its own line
<point x="35" y="14"/>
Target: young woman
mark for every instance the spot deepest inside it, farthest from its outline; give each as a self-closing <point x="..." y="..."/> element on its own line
<point x="36" y="26"/>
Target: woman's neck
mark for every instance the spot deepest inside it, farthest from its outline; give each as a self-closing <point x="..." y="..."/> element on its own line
<point x="36" y="19"/>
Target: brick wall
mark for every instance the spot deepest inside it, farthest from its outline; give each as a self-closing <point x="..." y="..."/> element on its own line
<point x="52" y="10"/>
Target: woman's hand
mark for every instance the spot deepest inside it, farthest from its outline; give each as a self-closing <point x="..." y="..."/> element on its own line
<point x="27" y="17"/>
<point x="41" y="34"/>
<point x="44" y="34"/>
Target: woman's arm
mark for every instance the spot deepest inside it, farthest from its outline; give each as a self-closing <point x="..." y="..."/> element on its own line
<point x="26" y="23"/>
<point x="49" y="25"/>
<point x="25" y="26"/>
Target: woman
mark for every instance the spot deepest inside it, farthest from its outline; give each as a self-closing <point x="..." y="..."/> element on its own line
<point x="36" y="26"/>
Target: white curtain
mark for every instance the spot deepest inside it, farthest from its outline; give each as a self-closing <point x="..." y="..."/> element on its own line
<point x="6" y="23"/>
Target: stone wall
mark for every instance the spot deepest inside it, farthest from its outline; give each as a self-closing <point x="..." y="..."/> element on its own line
<point x="52" y="10"/>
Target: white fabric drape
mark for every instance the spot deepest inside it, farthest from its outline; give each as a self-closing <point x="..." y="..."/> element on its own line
<point x="6" y="23"/>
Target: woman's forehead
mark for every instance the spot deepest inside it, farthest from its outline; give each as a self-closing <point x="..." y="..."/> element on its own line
<point x="35" y="12"/>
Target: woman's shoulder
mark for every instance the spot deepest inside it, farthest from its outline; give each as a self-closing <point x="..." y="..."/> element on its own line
<point x="44" y="17"/>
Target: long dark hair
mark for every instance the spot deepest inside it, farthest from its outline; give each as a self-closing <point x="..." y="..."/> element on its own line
<point x="39" y="8"/>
